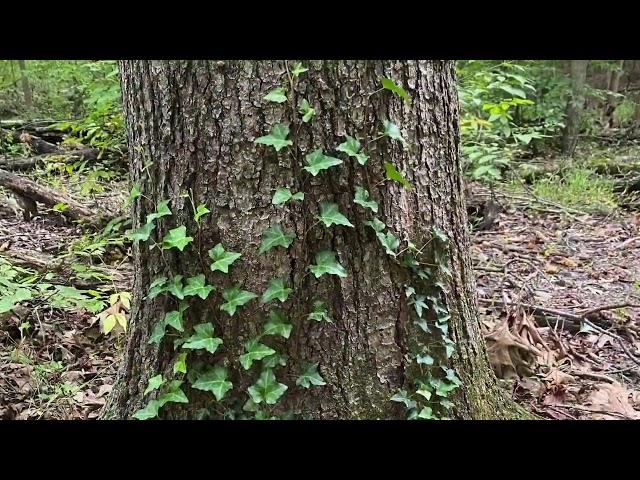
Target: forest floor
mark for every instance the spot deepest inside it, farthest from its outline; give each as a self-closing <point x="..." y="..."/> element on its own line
<point x="558" y="294"/>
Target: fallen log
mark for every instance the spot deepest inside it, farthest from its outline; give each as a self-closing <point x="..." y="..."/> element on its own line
<point x="49" y="197"/>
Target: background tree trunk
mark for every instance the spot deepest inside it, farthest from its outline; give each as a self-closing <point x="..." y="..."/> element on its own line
<point x="575" y="107"/>
<point x="26" y="86"/>
<point x="197" y="122"/>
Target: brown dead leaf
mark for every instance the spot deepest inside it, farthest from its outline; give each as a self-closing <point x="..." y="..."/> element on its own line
<point x="557" y="377"/>
<point x="567" y="262"/>
<point x="551" y="268"/>
<point x="508" y="354"/>
<point x="613" y="397"/>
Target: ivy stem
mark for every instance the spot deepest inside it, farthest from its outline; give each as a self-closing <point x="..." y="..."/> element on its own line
<point x="309" y="229"/>
<point x="376" y="91"/>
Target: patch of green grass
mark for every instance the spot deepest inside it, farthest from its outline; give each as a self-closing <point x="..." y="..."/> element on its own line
<point x="578" y="188"/>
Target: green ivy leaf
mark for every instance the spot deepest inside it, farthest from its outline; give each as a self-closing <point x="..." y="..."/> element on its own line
<point x="277" y="138"/>
<point x="392" y="131"/>
<point x="154" y="384"/>
<point x="362" y="199"/>
<point x="213" y="380"/>
<point x="276" y="95"/>
<point x="158" y="286"/>
<point x="222" y="259"/>
<point x="419" y="304"/>
<point x="396" y="176"/>
<point x="181" y="364"/>
<point x="174" y="319"/>
<point x="403" y="397"/>
<point x="283" y="195"/>
<point x="150" y="411"/>
<point x="162" y="210"/>
<point x="326" y="263"/>
<point x="174" y="287"/>
<point x="143" y="233"/>
<point x="305" y="109"/>
<point x="390" y="85"/>
<point x="254" y="351"/>
<point x="424" y="359"/>
<point x="320" y="312"/>
<point x="330" y="215"/>
<point x="439" y="235"/>
<point x="272" y="361"/>
<point x="276" y="325"/>
<point x="389" y="241"/>
<point x="174" y="395"/>
<point x="201" y="210"/>
<point x="158" y="332"/>
<point x="275" y="237"/>
<point x="176" y="238"/>
<point x="133" y="194"/>
<point x="352" y="148"/>
<point x="376" y="224"/>
<point x="310" y="376"/>
<point x="197" y="286"/>
<point x="203" y="339"/>
<point x="298" y="69"/>
<point x="277" y="289"/>
<point x="426" y="414"/>
<point x="424" y="391"/>
<point x="318" y="161"/>
<point x="235" y="298"/>
<point x="267" y="389"/>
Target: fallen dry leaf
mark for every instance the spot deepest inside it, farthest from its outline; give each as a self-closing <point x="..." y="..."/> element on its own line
<point x="613" y="397"/>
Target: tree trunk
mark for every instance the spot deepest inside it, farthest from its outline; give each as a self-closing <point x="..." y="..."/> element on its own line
<point x="26" y="86"/>
<point x="197" y="123"/>
<point x="575" y="106"/>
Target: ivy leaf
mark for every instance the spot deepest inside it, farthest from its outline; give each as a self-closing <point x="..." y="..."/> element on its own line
<point x="326" y="263"/>
<point x="352" y="148"/>
<point x="181" y="364"/>
<point x="272" y="361"/>
<point x="235" y="298"/>
<point x="133" y="194"/>
<point x="419" y="304"/>
<point x="305" y="109"/>
<point x="376" y="224"/>
<point x="424" y="391"/>
<point x="201" y="210"/>
<point x="389" y="241"/>
<point x="154" y="384"/>
<point x="174" y="319"/>
<point x="439" y="235"/>
<point x="197" y="286"/>
<point x="318" y="161"/>
<point x="276" y="95"/>
<point x="254" y="351"/>
<point x="267" y="389"/>
<point x="158" y="333"/>
<point x="426" y="414"/>
<point x="150" y="411"/>
<point x="390" y="85"/>
<point x="222" y="259"/>
<point x="320" y="312"/>
<point x="275" y="237"/>
<point x="298" y="69"/>
<point x="449" y="346"/>
<point x="283" y="195"/>
<point x="176" y="238"/>
<point x="276" y="325"/>
<point x="277" y="138"/>
<point x="213" y="380"/>
<point x="203" y="338"/>
<point x="277" y="290"/>
<point x="403" y="397"/>
<point x="362" y="199"/>
<point x="174" y="287"/>
<point x="330" y="215"/>
<point x="396" y="176"/>
<point x="143" y="233"/>
<point x="310" y="376"/>
<point x="425" y="359"/>
<point x="162" y="210"/>
<point x="392" y="131"/>
<point x="174" y="395"/>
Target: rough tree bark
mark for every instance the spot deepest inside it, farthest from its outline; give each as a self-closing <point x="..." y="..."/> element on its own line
<point x="197" y="122"/>
<point x="26" y="86"/>
<point x="575" y="106"/>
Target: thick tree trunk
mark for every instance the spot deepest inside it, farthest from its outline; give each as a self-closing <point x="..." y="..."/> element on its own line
<point x="197" y="122"/>
<point x="575" y="106"/>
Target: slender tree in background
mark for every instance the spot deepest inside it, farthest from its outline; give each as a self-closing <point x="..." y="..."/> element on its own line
<point x="26" y="86"/>
<point x="575" y="107"/>
<point x="192" y="131"/>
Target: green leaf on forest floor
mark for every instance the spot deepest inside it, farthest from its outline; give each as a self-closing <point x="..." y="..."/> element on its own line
<point x="362" y="198"/>
<point x="213" y="380"/>
<point x="275" y="237"/>
<point x="235" y="298"/>
<point x="393" y="174"/>
<point x="326" y="263"/>
<point x="318" y="161"/>
<point x="352" y="148"/>
<point x="310" y="376"/>
<point x="203" y="339"/>
<point x="197" y="286"/>
<point x="201" y="210"/>
<point x="283" y="195"/>
<point x="176" y="238"/>
<point x="392" y="131"/>
<point x="267" y="389"/>
<point x="143" y="233"/>
<point x="276" y="325"/>
<point x="276" y="95"/>
<point x="330" y="215"/>
<point x="254" y="351"/>
<point x="390" y="85"/>
<point x="276" y="289"/>
<point x="154" y="384"/>
<point x="320" y="312"/>
<point x="277" y="138"/>
<point x="222" y="259"/>
<point x="305" y="109"/>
